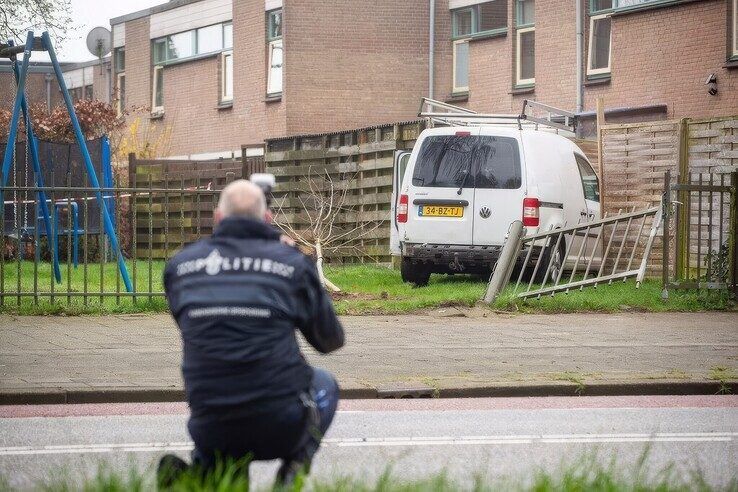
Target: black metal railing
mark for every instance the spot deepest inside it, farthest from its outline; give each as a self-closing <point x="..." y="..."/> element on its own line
<point x="705" y="228"/>
<point x="73" y="264"/>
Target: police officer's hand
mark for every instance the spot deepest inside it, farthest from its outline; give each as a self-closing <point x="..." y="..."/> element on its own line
<point x="286" y="240"/>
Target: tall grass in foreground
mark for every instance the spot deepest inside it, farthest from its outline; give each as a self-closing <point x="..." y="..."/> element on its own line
<point x="589" y="474"/>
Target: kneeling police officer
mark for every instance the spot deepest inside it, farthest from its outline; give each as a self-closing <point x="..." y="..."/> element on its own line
<point x="238" y="298"/>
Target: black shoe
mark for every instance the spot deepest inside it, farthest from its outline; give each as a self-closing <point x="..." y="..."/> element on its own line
<point x="170" y="469"/>
<point x="290" y="470"/>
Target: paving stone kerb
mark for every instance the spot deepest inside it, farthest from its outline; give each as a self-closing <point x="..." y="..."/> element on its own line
<point x="137" y="357"/>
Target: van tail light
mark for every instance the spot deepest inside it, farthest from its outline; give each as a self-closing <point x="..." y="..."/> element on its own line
<point x="402" y="209"/>
<point x="531" y="212"/>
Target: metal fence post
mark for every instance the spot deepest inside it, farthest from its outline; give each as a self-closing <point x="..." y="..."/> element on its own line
<point x="505" y="263"/>
<point x="665" y="204"/>
<point x="733" y="235"/>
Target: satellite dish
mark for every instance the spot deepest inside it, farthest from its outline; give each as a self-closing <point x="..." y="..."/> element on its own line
<point x="99" y="41"/>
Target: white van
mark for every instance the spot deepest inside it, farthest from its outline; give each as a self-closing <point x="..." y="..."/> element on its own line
<point x="458" y="191"/>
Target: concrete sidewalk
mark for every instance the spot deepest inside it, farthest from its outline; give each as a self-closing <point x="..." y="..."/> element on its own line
<point x="136" y="357"/>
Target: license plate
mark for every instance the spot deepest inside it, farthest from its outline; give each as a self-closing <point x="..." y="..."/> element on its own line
<point x="436" y="211"/>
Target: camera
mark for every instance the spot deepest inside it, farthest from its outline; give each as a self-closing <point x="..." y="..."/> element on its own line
<point x="711" y="84"/>
<point x="266" y="182"/>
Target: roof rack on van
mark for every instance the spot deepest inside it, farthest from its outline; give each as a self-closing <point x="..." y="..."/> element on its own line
<point x="533" y="113"/>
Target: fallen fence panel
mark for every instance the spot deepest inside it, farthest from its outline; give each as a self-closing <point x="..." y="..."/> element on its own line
<point x="592" y="253"/>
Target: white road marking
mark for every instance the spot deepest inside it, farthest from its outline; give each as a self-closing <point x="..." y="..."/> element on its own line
<point x="390" y="441"/>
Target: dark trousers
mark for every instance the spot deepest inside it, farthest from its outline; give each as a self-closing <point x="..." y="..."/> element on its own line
<point x="289" y="431"/>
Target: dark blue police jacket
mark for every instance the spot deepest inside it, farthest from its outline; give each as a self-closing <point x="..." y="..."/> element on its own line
<point x="238" y="297"/>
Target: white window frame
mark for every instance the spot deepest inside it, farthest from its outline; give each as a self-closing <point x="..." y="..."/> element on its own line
<point x="224" y="97"/>
<point x="457" y="89"/>
<point x="120" y="105"/>
<point x="519" y="57"/>
<point x="154" y="87"/>
<point x="598" y="71"/>
<point x="272" y="45"/>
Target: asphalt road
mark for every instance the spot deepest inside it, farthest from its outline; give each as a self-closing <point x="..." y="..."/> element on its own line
<point x="489" y="437"/>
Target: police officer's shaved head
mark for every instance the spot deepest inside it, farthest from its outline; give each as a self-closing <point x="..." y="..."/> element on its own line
<point x="241" y="198"/>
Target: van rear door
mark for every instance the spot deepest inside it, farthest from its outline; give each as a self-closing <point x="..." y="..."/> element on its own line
<point x="398" y="171"/>
<point x="499" y="190"/>
<point x="441" y="189"/>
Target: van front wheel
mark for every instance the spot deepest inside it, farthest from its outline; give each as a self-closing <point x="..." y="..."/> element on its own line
<point x="414" y="273"/>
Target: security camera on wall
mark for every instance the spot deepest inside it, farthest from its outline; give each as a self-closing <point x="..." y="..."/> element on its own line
<point x="711" y="84"/>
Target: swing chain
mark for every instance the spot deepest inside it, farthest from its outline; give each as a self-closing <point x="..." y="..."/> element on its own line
<point x="14" y="168"/>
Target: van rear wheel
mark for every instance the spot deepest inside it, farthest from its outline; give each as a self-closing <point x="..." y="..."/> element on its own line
<point x="414" y="273"/>
<point x="557" y="260"/>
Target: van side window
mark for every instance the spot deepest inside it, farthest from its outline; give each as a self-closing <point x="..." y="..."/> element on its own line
<point x="590" y="183"/>
<point x="450" y="161"/>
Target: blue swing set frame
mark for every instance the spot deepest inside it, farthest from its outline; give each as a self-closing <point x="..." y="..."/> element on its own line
<point x="20" y="105"/>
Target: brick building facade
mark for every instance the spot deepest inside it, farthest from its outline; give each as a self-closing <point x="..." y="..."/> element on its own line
<point x="86" y="80"/>
<point x="221" y="74"/>
<point x="349" y="64"/>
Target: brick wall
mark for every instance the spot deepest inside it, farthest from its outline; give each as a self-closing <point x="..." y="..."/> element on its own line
<point x="35" y="89"/>
<point x="138" y="63"/>
<point x="100" y="82"/>
<point x="665" y="56"/>
<point x="192" y="89"/>
<point x="659" y="56"/>
<point x="354" y="64"/>
<point x="257" y="119"/>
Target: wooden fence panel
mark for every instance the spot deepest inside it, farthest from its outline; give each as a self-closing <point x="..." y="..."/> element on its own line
<point x="637" y="155"/>
<point x="167" y="222"/>
<point x="362" y="159"/>
<point x="635" y="158"/>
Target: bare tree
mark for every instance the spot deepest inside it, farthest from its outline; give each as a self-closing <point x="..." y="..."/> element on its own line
<point x="324" y="209"/>
<point x="19" y="16"/>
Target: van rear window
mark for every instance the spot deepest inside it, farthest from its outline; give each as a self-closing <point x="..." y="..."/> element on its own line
<point x="450" y="161"/>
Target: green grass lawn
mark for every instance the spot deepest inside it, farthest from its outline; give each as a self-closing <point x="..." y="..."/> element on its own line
<point x="367" y="289"/>
<point x="74" y="280"/>
<point x="372" y="290"/>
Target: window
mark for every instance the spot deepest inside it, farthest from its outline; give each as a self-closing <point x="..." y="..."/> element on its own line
<point x="226" y="89"/>
<point x="600" y="5"/>
<point x="274" y="82"/>
<point x="181" y="45"/>
<point x="463" y="22"/>
<point x="88" y="92"/>
<point x="228" y="36"/>
<point x="210" y="39"/>
<point x="157" y="102"/>
<point x="184" y="45"/>
<point x="121" y="84"/>
<point x="590" y="183"/>
<point x="526" y="15"/>
<point x="600" y="45"/>
<point x="119" y="67"/>
<point x="480" y="19"/>
<point x="275" y="52"/>
<point x="461" y="66"/>
<point x="274" y="25"/>
<point x="633" y="3"/>
<point x="525" y="63"/>
<point x="451" y="161"/>
<point x="120" y="60"/>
